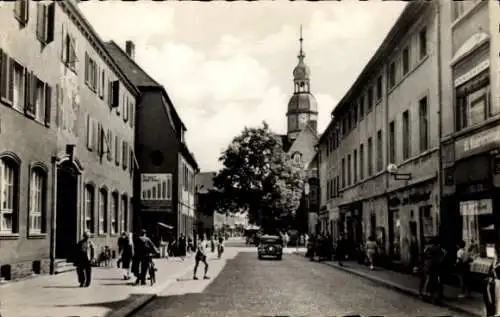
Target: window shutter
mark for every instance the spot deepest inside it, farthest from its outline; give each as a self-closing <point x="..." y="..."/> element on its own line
<point x="95" y="127"/>
<point x="132" y="113"/>
<point x="40" y="22"/>
<point x="86" y="68"/>
<point x="124" y="154"/>
<point x="102" y="84"/>
<point x="58" y="105"/>
<point x="89" y="133"/>
<point x="48" y="104"/>
<point x="4" y="74"/>
<point x="110" y="93"/>
<point x="50" y="13"/>
<point x="117" y="150"/>
<point x="116" y="94"/>
<point x="131" y="160"/>
<point x="109" y="145"/>
<point x="72" y="52"/>
<point x="29" y="106"/>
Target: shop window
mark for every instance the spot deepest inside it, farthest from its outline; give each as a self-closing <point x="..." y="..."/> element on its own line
<point x="472" y="104"/>
<point x="478" y="226"/>
<point x="426" y="223"/>
<point x="89" y="208"/>
<point x="396" y="235"/>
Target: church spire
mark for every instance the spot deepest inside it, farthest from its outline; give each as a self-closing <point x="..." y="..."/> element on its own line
<point x="301" y="52"/>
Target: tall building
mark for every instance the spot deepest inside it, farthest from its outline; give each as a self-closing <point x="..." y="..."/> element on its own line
<point x="165" y="187"/>
<point x="390" y="115"/>
<point x="62" y="97"/>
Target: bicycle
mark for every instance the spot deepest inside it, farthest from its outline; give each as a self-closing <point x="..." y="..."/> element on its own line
<point x="151" y="270"/>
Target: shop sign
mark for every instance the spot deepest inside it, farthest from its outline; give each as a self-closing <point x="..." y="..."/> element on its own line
<point x="479" y="140"/>
<point x="472" y="73"/>
<point x="476" y="207"/>
<point x="156" y="192"/>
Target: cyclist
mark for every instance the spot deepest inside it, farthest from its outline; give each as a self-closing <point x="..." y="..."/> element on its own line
<point x="144" y="249"/>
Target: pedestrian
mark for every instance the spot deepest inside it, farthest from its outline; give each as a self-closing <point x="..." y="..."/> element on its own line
<point x="371" y="251"/>
<point x="341" y="249"/>
<point x="143" y="249"/>
<point x="220" y="247"/>
<point x="464" y="260"/>
<point x="491" y="291"/>
<point x="85" y="256"/>
<point x="182" y="247"/>
<point x="212" y="244"/>
<point x="201" y="256"/>
<point x="126" y="251"/>
<point x="414" y="253"/>
<point x="430" y="282"/>
<point x="190" y="244"/>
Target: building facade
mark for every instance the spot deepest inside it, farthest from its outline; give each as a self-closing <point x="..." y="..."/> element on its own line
<point x="165" y="186"/>
<point x="389" y="116"/>
<point x="470" y="126"/>
<point x="62" y="171"/>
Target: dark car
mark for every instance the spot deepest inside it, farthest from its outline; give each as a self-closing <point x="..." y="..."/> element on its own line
<point x="270" y="246"/>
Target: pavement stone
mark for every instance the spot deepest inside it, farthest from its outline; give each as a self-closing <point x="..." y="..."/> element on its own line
<point x="409" y="284"/>
<point x="108" y="296"/>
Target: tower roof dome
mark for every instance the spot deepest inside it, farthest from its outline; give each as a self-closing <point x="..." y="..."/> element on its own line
<point x="302" y="102"/>
<point x="301" y="71"/>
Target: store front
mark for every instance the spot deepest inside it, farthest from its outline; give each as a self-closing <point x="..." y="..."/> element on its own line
<point x="351" y="217"/>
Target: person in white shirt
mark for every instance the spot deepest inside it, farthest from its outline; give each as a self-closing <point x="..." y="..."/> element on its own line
<point x="201" y="256"/>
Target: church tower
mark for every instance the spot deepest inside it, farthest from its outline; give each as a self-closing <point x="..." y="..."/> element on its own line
<point x="302" y="107"/>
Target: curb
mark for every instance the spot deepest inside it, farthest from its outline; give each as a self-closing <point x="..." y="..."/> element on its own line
<point x="133" y="307"/>
<point x="399" y="288"/>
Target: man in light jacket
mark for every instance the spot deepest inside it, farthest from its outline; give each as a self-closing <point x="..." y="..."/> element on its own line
<point x="85" y="255"/>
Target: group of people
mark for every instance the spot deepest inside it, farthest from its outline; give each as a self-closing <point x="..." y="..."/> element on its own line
<point x="135" y="256"/>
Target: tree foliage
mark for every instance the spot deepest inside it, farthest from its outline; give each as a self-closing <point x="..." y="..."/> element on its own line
<point x="258" y="176"/>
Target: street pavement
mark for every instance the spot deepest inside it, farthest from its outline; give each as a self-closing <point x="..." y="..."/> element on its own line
<point x="108" y="296"/>
<point x="241" y="285"/>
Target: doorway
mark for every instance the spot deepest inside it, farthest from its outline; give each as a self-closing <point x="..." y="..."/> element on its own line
<point x="66" y="219"/>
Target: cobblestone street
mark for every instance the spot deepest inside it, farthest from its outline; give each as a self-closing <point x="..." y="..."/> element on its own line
<point x="246" y="286"/>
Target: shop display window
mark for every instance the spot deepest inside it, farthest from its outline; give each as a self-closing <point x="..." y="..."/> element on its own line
<point x="478" y="226"/>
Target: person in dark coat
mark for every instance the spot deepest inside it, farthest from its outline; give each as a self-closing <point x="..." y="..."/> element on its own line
<point x="126" y="251"/>
<point x="182" y="246"/>
<point x="490" y="291"/>
<point x="340" y="251"/>
<point x="84" y="257"/>
<point x="143" y="249"/>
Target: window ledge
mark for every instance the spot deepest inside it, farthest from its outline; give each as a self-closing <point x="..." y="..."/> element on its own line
<point x="472" y="129"/>
<point x="37" y="236"/>
<point x="466" y="14"/>
<point x="418" y="156"/>
<point x="9" y="236"/>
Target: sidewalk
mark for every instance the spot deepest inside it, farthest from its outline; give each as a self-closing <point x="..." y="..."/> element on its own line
<point x="108" y="296"/>
<point x="408" y="284"/>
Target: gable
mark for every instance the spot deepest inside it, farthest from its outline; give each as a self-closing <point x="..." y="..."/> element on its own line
<point x="305" y="144"/>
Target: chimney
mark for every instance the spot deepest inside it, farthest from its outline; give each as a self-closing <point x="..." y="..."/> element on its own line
<point x="130" y="49"/>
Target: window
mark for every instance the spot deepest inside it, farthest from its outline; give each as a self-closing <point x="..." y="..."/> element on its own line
<point x="18" y="85"/>
<point x="355" y="113"/>
<point x="392" y="75"/>
<point x="118" y="155"/>
<point x="69" y="52"/>
<point x="124" y="218"/>
<point x="380" y="153"/>
<point x="369" y="96"/>
<point x="343" y="173"/>
<point x="379" y="87"/>
<point x="125" y="153"/>
<point x="21" y="11"/>
<point x="361" y="107"/>
<point x="114" y="213"/>
<point x="370" y="157"/>
<point x="422" y="42"/>
<point x="406" y="135"/>
<point x="102" y="84"/>
<point x="349" y="170"/>
<point x="462" y="7"/>
<point x="361" y="162"/>
<point x="473" y="101"/>
<point x="132" y="113"/>
<point x="89" y="208"/>
<point x="423" y="123"/>
<point x="45" y="22"/>
<point x="37" y="202"/>
<point x="39" y="99"/>
<point x="103" y="211"/>
<point x="91" y="73"/>
<point x="478" y="226"/>
<point x="8" y="196"/>
<point x="115" y="94"/>
<point x="355" y="165"/>
<point x="392" y="142"/>
<point x="427" y="220"/>
<point x="406" y="60"/>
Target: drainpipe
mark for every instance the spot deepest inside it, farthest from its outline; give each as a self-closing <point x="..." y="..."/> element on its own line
<point x="440" y="107"/>
<point x="53" y="217"/>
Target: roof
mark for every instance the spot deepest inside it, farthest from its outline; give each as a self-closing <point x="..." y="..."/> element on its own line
<point x="301" y="101"/>
<point x="189" y="156"/>
<point x="99" y="44"/>
<point x="139" y="76"/>
<point x="405" y="20"/>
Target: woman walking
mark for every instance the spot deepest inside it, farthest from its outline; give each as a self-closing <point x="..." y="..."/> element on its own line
<point x="126" y="249"/>
<point x="492" y="288"/>
<point x="463" y="267"/>
<point x="371" y="250"/>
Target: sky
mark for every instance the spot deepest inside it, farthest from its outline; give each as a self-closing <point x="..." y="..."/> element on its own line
<point x="227" y="65"/>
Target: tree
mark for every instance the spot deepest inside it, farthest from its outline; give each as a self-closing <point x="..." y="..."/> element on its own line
<point x="259" y="177"/>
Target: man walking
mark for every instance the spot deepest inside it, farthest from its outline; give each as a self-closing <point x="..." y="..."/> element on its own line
<point x="83" y="260"/>
<point x="201" y="256"/>
<point x="143" y="250"/>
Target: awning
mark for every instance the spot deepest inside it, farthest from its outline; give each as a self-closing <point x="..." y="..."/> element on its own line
<point x="161" y="224"/>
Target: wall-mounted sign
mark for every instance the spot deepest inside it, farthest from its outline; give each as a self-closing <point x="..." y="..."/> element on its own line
<point x="476" y="207"/>
<point x="472" y="73"/>
<point x="156" y="191"/>
<point x="469" y="145"/>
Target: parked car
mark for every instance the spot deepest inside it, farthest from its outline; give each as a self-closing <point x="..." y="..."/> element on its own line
<point x="270" y="246"/>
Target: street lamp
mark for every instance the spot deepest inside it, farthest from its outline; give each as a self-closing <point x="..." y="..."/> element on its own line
<point x="393" y="170"/>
